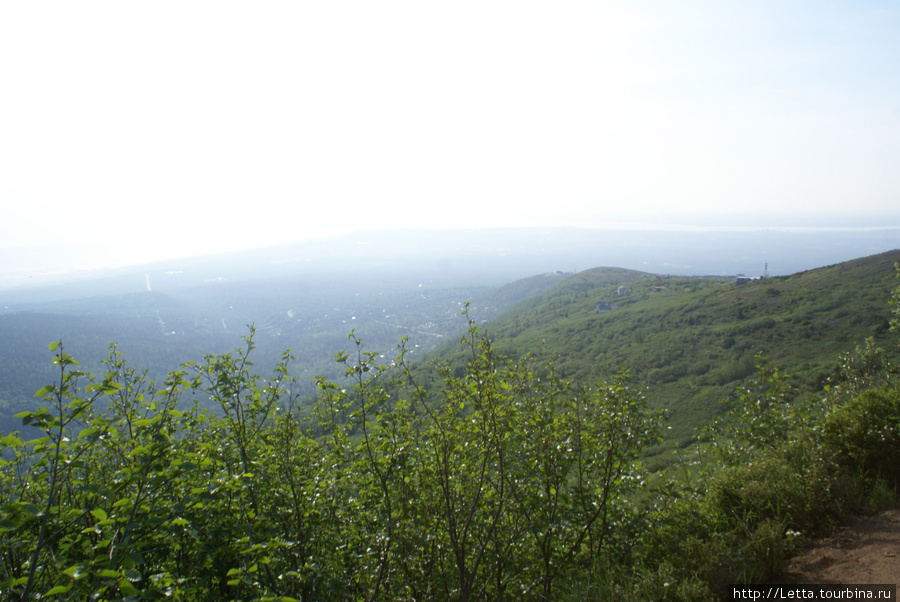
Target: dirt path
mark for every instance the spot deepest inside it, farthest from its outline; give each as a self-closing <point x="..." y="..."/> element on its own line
<point x="865" y="552"/>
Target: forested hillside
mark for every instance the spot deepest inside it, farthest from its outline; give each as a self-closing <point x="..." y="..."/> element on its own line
<point x="489" y="476"/>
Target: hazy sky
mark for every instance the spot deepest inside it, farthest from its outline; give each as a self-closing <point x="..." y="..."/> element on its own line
<point x="140" y="130"/>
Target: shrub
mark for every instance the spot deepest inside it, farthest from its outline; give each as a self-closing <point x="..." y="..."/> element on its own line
<point x="503" y="482"/>
<point x="866" y="433"/>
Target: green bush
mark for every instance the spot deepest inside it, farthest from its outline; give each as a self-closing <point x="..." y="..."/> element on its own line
<point x="686" y="542"/>
<point x="866" y="433"/>
<point x="800" y="486"/>
<point x="745" y="521"/>
<point x="501" y="483"/>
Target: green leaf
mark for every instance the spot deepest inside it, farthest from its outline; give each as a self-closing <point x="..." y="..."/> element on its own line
<point x="42" y="392"/>
<point x="87" y="432"/>
<point x="53" y="346"/>
<point x="59" y="589"/>
<point x="30" y="509"/>
<point x="75" y="572"/>
<point x="126" y="588"/>
<point x="108" y="573"/>
<point x="99" y="513"/>
<point x="68" y="360"/>
<point x="12" y="441"/>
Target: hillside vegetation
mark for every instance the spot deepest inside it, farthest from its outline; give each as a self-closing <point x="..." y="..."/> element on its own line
<point x="485" y="478"/>
<point x="689" y="340"/>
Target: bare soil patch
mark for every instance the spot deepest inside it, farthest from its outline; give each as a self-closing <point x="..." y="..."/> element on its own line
<point x="865" y="552"/>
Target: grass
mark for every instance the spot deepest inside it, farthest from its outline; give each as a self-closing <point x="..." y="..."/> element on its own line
<point x="690" y="341"/>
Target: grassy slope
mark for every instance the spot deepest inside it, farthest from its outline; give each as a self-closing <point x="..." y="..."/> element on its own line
<point x="692" y="343"/>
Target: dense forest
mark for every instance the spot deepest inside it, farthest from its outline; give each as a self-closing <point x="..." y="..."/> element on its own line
<point x="498" y="472"/>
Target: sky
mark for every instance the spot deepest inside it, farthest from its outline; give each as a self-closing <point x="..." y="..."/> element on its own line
<point x="131" y="131"/>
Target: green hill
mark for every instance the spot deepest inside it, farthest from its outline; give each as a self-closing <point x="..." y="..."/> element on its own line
<point x="497" y="480"/>
<point x="690" y="340"/>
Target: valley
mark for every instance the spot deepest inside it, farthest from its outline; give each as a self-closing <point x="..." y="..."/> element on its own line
<point x="687" y="340"/>
<point x="673" y="430"/>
